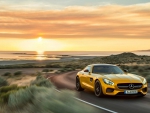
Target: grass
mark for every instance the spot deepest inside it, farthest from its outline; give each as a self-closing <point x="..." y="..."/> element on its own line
<point x="39" y="98"/>
<point x="142" y="70"/>
<point x="45" y="70"/>
<point x="3" y="82"/>
<point x="6" y="91"/>
<point x="41" y="81"/>
<point x="66" y="69"/>
<point x="18" y="73"/>
<point x="7" y="74"/>
<point x="138" y="70"/>
<point x="7" y="88"/>
<point x="148" y="78"/>
<point x="44" y="100"/>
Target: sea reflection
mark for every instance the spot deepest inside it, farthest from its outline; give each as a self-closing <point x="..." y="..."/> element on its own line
<point x="40" y="55"/>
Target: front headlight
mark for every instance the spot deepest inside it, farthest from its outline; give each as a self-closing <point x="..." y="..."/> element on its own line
<point x="108" y="82"/>
<point x="144" y="81"/>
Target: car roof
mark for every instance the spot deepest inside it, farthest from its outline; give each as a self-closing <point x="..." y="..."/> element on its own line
<point x="101" y="65"/>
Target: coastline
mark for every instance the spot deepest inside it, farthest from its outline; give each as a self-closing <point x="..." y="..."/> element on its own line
<point x="13" y="62"/>
<point x="31" y="57"/>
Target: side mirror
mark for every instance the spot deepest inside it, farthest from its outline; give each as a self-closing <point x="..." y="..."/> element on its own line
<point x="125" y="70"/>
<point x="86" y="70"/>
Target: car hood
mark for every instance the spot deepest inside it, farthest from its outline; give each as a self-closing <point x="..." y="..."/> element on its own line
<point x="124" y="78"/>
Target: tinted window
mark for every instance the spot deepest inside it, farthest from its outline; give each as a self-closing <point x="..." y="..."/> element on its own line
<point x="107" y="70"/>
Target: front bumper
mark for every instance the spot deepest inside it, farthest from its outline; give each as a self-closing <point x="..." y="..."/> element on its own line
<point x="114" y="90"/>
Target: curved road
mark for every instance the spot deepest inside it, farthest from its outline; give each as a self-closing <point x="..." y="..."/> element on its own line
<point x="114" y="104"/>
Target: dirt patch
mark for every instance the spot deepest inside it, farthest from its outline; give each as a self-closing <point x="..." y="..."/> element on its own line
<point x="21" y="81"/>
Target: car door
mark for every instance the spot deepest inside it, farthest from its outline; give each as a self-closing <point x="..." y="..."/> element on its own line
<point x="90" y="79"/>
<point x="84" y="75"/>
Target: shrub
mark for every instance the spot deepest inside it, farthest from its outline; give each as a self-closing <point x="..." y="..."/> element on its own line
<point x="45" y="70"/>
<point x="41" y="81"/>
<point x="3" y="82"/>
<point x="65" y="70"/>
<point x="68" y="66"/>
<point x="35" y="99"/>
<point x="7" y="88"/>
<point x="141" y="69"/>
<point x="18" y="73"/>
<point x="5" y="97"/>
<point x="144" y="74"/>
<point x="51" y="70"/>
<point x="148" y="68"/>
<point x="71" y="69"/>
<point x="135" y="67"/>
<point x="7" y="74"/>
<point x="6" y="91"/>
<point x="62" y="70"/>
<point x="148" y="79"/>
<point x="20" y="98"/>
<point x="45" y="100"/>
<point x="53" y="66"/>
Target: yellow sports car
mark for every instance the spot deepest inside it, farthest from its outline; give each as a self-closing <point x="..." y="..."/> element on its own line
<point x="107" y="79"/>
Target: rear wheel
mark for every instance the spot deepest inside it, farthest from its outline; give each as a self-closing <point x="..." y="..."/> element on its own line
<point x="78" y="85"/>
<point x="98" y="89"/>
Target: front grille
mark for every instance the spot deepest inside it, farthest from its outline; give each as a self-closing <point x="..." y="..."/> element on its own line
<point x="127" y="85"/>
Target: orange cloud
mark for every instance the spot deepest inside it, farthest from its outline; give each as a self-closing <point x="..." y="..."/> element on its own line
<point x="110" y="21"/>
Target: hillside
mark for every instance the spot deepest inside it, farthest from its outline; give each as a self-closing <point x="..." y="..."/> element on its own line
<point x="123" y="58"/>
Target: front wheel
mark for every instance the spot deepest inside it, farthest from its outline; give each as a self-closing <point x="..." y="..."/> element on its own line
<point x="78" y="85"/>
<point x="98" y="89"/>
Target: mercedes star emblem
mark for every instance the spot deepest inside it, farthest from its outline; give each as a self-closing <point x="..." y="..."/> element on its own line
<point x="131" y="86"/>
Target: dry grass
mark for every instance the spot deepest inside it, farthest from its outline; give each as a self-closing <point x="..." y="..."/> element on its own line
<point x="21" y="81"/>
<point x="40" y="97"/>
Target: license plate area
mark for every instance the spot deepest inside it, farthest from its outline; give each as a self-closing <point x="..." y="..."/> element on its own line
<point x="130" y="92"/>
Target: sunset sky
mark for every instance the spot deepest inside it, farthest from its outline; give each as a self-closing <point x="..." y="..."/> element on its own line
<point x="74" y="25"/>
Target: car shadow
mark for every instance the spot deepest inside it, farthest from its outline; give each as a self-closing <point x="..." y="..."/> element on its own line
<point x="124" y="97"/>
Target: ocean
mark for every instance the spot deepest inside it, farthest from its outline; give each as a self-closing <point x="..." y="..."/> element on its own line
<point x="55" y="55"/>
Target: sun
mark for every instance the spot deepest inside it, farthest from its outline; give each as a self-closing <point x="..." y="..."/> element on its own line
<point x="40" y="39"/>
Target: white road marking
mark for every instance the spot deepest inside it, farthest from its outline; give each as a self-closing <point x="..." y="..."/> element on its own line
<point x="95" y="105"/>
<point x="99" y="107"/>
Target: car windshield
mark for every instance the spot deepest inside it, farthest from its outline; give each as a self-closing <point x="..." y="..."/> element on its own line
<point x="107" y="70"/>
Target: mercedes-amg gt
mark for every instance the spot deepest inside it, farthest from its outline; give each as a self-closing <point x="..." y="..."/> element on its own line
<point x="107" y="79"/>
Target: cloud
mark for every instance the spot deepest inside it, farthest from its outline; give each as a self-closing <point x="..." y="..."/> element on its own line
<point x="112" y="21"/>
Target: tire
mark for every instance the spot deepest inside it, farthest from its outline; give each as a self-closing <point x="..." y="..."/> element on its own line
<point x="78" y="85"/>
<point x="98" y="89"/>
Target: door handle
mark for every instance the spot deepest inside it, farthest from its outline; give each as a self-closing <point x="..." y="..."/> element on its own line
<point x="91" y="79"/>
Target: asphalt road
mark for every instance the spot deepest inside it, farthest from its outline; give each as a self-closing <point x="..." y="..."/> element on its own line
<point x="114" y="104"/>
